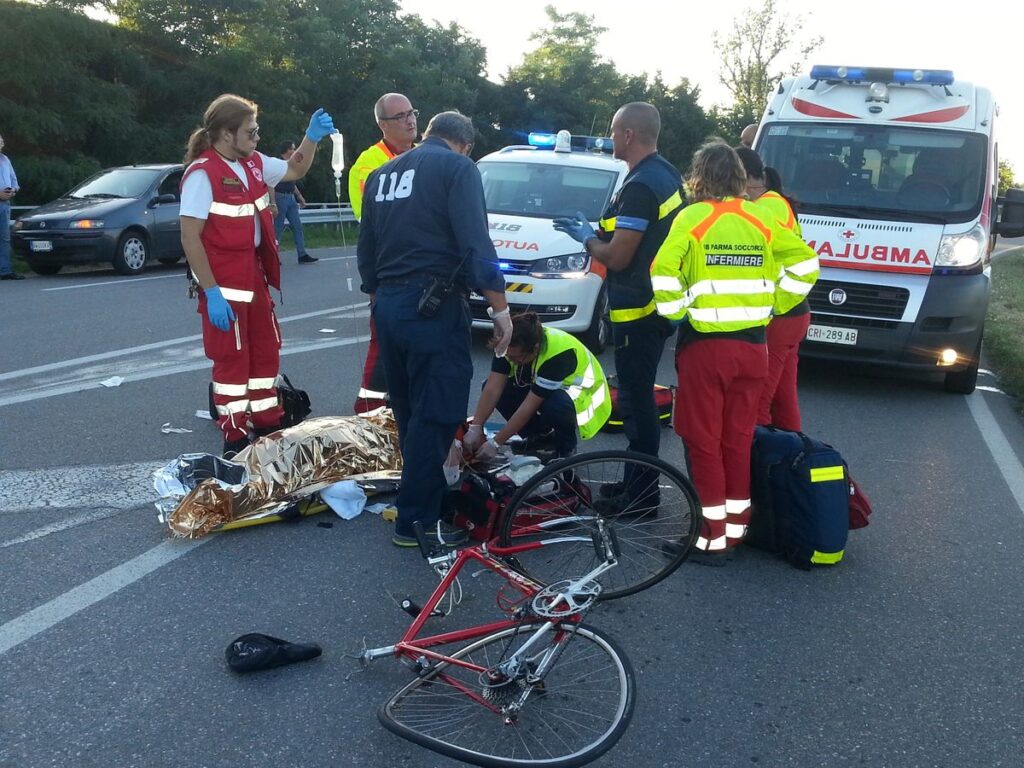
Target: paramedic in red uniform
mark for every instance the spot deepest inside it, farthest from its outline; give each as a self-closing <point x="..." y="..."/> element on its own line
<point x="397" y="122"/>
<point x="227" y="233"/>
<point x="715" y="275"/>
<point x="779" y="405"/>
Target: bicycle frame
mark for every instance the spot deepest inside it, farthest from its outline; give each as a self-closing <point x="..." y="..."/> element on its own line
<point x="487" y="554"/>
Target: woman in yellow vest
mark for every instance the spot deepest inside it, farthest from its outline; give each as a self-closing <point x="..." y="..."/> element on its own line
<point x="779" y="404"/>
<point x="715" y="275"/>
<point x="547" y="383"/>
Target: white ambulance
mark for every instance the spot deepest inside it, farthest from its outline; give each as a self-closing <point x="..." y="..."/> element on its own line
<point x="526" y="186"/>
<point x="894" y="174"/>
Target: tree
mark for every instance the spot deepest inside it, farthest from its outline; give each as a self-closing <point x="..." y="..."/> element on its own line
<point x="749" y="54"/>
<point x="1006" y="180"/>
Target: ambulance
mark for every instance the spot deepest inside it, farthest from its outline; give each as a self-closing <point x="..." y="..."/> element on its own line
<point x="894" y="176"/>
<point x="526" y="186"/>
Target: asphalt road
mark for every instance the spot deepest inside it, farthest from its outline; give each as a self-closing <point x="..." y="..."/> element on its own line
<point x="112" y="637"/>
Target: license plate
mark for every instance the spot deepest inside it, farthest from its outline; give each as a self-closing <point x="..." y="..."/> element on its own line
<point x="830" y="335"/>
<point x="41" y="245"/>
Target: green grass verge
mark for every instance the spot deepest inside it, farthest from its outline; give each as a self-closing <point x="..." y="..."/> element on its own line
<point x="1004" y="327"/>
<point x="322" y="236"/>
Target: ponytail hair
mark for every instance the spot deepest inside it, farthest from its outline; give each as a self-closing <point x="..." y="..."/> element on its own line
<point x="226" y="113"/>
<point x="527" y="332"/>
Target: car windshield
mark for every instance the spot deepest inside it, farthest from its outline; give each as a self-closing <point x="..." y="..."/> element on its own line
<point x="879" y="171"/>
<point x="119" y="182"/>
<point x="544" y="190"/>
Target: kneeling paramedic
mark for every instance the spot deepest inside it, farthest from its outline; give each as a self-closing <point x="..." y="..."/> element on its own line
<point x="546" y="383"/>
<point x="227" y="233"/>
<point x="715" y="275"/>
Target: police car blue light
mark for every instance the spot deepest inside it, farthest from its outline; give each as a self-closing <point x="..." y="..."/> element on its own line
<point x="541" y="139"/>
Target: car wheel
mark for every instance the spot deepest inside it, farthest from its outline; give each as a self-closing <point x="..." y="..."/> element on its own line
<point x="169" y="260"/>
<point x="44" y="269"/>
<point x="599" y="334"/>
<point x="131" y="253"/>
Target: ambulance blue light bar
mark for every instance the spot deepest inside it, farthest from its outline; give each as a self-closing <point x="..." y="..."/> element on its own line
<point x="882" y="75"/>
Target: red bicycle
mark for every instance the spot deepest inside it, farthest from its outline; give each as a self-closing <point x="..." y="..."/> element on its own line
<point x="538" y="688"/>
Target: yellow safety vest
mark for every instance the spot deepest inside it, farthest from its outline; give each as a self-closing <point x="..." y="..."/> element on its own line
<point x="586" y="386"/>
<point x="798" y="272"/>
<point x="369" y="161"/>
<point x="718" y="266"/>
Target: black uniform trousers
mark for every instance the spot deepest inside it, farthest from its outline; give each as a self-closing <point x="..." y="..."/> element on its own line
<point x="638" y="348"/>
<point x="428" y="367"/>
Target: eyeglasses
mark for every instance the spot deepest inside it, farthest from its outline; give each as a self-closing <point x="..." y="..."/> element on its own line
<point x="253" y="132"/>
<point x="403" y="116"/>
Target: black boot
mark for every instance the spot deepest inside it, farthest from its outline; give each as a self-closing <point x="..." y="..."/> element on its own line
<point x="232" y="447"/>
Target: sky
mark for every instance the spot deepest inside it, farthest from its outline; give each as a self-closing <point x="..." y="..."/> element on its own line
<point x="675" y="38"/>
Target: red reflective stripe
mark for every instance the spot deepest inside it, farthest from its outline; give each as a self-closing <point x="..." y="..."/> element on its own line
<point x="816" y="110"/>
<point x="938" y="116"/>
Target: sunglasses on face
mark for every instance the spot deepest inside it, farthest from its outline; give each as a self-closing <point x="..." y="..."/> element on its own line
<point x="412" y="114"/>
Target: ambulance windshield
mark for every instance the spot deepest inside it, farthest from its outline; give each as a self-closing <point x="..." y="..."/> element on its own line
<point x="545" y="190"/>
<point x="879" y="171"/>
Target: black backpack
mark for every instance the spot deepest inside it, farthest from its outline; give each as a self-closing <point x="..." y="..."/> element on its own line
<point x="295" y="402"/>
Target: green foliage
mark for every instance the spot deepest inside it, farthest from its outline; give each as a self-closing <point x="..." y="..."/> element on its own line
<point x="749" y="54"/>
<point x="1006" y="180"/>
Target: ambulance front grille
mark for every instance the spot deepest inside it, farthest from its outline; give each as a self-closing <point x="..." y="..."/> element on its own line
<point x="870" y="301"/>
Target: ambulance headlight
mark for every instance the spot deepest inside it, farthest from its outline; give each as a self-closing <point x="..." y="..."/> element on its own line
<point x="572" y="265"/>
<point x="963" y="250"/>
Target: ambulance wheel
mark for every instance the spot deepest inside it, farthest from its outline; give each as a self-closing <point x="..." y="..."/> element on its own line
<point x="599" y="334"/>
<point x="131" y="253"/>
<point x="964" y="382"/>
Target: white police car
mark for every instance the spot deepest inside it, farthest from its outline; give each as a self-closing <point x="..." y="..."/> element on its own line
<point x="526" y="186"/>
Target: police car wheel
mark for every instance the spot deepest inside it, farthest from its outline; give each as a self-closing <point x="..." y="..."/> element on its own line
<point x="599" y="334"/>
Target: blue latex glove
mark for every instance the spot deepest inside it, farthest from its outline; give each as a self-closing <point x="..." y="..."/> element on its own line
<point x="218" y="311"/>
<point x="320" y="125"/>
<point x="577" y="227"/>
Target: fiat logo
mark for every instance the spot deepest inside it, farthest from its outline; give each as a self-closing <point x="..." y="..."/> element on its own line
<point x="837" y="296"/>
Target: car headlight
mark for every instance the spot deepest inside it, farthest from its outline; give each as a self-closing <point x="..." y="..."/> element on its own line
<point x="964" y="250"/>
<point x="572" y="265"/>
<point x="19" y="224"/>
<point x="87" y="224"/>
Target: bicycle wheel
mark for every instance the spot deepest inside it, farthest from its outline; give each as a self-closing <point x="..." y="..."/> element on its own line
<point x="650" y="505"/>
<point x="575" y="713"/>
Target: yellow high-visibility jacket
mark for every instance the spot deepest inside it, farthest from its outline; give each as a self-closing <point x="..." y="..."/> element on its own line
<point x="369" y="161"/>
<point x="799" y="274"/>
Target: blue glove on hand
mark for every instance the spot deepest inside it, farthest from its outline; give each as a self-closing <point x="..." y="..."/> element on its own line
<point x="218" y="311"/>
<point x="320" y="125"/>
<point x="576" y="227"/>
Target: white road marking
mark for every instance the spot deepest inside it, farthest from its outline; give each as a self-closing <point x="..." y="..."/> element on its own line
<point x="28" y="625"/>
<point x="106" y="486"/>
<point x="123" y="281"/>
<point x="157" y="369"/>
<point x="61" y="525"/>
<point x="1005" y="457"/>
<point x="155" y="345"/>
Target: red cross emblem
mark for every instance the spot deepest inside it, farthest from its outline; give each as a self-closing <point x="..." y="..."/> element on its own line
<point x="848" y="234"/>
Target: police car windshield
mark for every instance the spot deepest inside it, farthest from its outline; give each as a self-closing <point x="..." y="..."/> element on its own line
<point x="120" y="182"/>
<point x="885" y="172"/>
<point x="544" y="190"/>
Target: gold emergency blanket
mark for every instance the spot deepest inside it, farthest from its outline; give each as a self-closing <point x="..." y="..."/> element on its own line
<point x="291" y="464"/>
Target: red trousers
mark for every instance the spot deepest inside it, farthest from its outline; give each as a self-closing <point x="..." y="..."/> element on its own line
<point x="374" y="387"/>
<point x="720" y="381"/>
<point x="779" y="405"/>
<point x="246" y="360"/>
